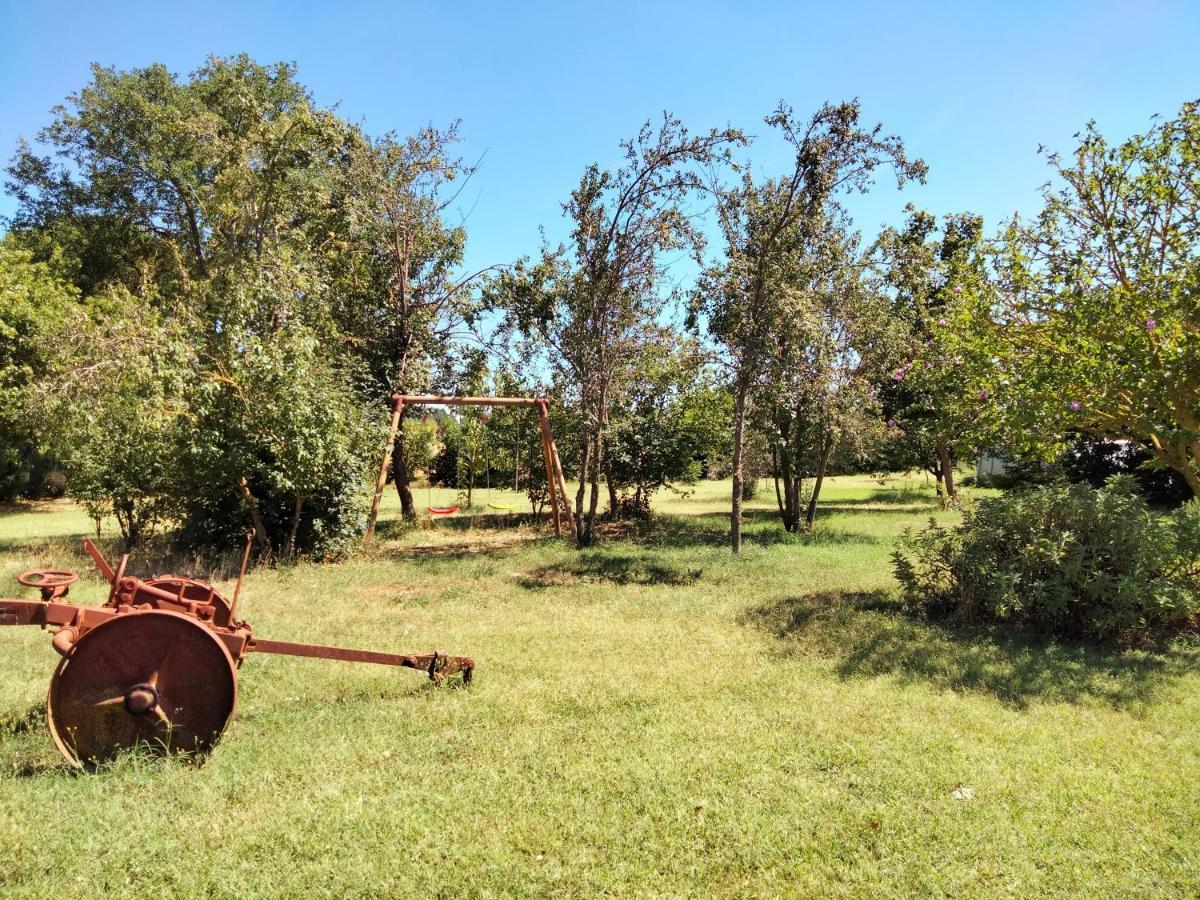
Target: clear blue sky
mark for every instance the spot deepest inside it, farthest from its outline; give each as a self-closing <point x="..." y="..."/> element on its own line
<point x="546" y="88"/>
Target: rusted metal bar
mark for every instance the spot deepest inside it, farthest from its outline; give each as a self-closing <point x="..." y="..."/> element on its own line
<point x="381" y="481"/>
<point x="319" y="651"/>
<point x="98" y="558"/>
<point x="423" y="399"/>
<point x="237" y="591"/>
<point x="438" y="663"/>
<point x="22" y="612"/>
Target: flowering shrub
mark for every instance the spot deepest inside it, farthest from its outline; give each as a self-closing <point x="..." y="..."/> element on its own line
<point x="1069" y="560"/>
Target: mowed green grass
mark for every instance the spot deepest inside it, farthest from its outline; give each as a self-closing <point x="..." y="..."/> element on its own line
<point x="650" y="718"/>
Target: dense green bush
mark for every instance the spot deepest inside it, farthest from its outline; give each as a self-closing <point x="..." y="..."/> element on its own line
<point x="1066" y="559"/>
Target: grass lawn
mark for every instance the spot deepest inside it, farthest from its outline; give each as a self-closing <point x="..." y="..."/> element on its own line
<point x="651" y="717"/>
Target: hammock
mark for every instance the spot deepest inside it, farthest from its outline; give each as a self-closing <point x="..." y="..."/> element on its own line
<point x="502" y="506"/>
<point x="442" y="510"/>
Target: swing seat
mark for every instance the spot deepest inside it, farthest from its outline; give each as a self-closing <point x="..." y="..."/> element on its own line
<point x="502" y="506"/>
<point x="443" y="510"/>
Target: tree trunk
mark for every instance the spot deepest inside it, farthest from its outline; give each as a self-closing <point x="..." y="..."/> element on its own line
<point x="594" y="499"/>
<point x="1183" y="458"/>
<point x="947" y="473"/>
<point x="775" y="475"/>
<point x="792" y="485"/>
<point x="585" y="467"/>
<point x="614" y="502"/>
<point x="1192" y="479"/>
<point x="400" y="476"/>
<point x="290" y="546"/>
<point x="739" y="436"/>
<point x="260" y="527"/>
<point x="811" y="515"/>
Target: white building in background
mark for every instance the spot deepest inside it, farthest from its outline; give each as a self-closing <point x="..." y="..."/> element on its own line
<point x="989" y="464"/>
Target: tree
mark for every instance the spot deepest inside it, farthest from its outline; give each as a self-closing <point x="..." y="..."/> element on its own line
<point x="402" y="299"/>
<point x="669" y="419"/>
<point x="113" y="416"/>
<point x="745" y="300"/>
<point x="1093" y="325"/>
<point x="186" y="183"/>
<point x="591" y="302"/>
<point x="279" y="420"/>
<point x="34" y="303"/>
<point x="218" y="189"/>
<point x="929" y="270"/>
<point x="817" y="397"/>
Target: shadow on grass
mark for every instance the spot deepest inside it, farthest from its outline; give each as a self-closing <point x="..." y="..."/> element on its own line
<point x="23" y="722"/>
<point x="897" y="496"/>
<point x="465" y="521"/>
<point x="868" y="634"/>
<point x="16" y="725"/>
<point x="613" y="568"/>
<point x="761" y="529"/>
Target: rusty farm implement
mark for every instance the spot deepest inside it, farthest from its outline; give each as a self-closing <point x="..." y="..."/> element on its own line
<point x="156" y="665"/>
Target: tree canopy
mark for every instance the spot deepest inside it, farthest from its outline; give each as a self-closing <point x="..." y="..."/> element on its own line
<point x="237" y="279"/>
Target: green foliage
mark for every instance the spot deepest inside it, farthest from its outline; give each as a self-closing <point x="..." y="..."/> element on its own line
<point x="34" y="304"/>
<point x="785" y="303"/>
<point x="197" y="213"/>
<point x="1092" y="327"/>
<point x="1064" y="559"/>
<point x="276" y="432"/>
<point x="933" y="272"/>
<point x="114" y="410"/>
<point x="671" y="418"/>
<point x="592" y="304"/>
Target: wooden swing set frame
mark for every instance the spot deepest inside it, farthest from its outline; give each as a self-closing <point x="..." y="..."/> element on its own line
<point x="556" y="483"/>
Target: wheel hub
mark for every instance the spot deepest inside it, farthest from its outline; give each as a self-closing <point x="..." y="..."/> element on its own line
<point x="141" y="698"/>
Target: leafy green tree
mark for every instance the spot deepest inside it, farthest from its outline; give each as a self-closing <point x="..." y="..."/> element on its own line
<point x="279" y="423"/>
<point x="218" y="190"/>
<point x="933" y="272"/>
<point x="590" y="303"/>
<point x="402" y="299"/>
<point x="34" y="304"/>
<point x="186" y="182"/>
<point x="671" y="417"/>
<point x="114" y="416"/>
<point x="818" y="398"/>
<point x="746" y="301"/>
<point x="1093" y="324"/>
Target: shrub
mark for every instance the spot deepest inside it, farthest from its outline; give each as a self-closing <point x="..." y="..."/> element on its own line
<point x="1066" y="559"/>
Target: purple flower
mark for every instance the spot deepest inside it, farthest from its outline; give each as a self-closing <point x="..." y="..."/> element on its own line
<point x="958" y="289"/>
<point x="983" y="395"/>
<point x="891" y="423"/>
<point x="1151" y="324"/>
<point x="1076" y="405"/>
<point x="942" y="321"/>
